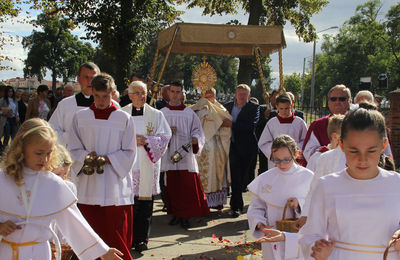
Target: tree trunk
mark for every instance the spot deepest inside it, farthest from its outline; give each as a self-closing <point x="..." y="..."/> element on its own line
<point x="125" y="52"/>
<point x="245" y="65"/>
<point x="54" y="80"/>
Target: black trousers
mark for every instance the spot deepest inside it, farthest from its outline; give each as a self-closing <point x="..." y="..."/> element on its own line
<point x="142" y="214"/>
<point x="162" y="187"/>
<point x="263" y="163"/>
<point x="251" y="174"/>
<point x="240" y="166"/>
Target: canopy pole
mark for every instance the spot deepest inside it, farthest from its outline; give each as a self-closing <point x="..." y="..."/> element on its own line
<point x="153" y="69"/>
<point x="281" y="87"/>
<point x="155" y="89"/>
<point x="260" y="72"/>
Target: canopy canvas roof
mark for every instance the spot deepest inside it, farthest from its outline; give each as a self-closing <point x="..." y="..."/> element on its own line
<point x="221" y="39"/>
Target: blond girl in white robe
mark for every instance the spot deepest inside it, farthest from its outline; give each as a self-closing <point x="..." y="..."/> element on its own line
<point x="356" y="212"/>
<point x="32" y="198"/>
<point x="288" y="182"/>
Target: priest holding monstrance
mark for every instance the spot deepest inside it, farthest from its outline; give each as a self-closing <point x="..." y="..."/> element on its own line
<point x="216" y="121"/>
<point x="184" y="193"/>
<point x="152" y="137"/>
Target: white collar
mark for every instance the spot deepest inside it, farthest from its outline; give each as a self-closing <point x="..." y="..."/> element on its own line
<point x="29" y="171"/>
<point x="291" y="170"/>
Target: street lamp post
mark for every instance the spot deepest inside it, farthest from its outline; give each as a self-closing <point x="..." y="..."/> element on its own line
<point x="313" y="69"/>
<point x="303" y="79"/>
<point x="302" y="82"/>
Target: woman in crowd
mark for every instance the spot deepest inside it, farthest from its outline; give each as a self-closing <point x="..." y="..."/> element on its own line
<point x="11" y="126"/>
<point x="39" y="106"/>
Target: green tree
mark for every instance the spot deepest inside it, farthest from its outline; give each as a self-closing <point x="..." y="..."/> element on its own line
<point x="122" y="28"/>
<point x="180" y="67"/>
<point x="393" y="32"/>
<point x="272" y="12"/>
<point x="292" y="83"/>
<point x="54" y="49"/>
<point x="359" y="49"/>
<point x="8" y="10"/>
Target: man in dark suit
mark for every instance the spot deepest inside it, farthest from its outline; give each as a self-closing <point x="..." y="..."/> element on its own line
<point x="264" y="117"/>
<point x="243" y="147"/>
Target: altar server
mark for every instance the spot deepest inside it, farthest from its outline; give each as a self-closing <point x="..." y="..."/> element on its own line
<point x="105" y="197"/>
<point x="328" y="159"/>
<point x="31" y="198"/>
<point x="334" y="127"/>
<point x="284" y="123"/>
<point x="354" y="213"/>
<point x="286" y="183"/>
<point x="152" y="137"/>
<point x="184" y="192"/>
<point x="61" y="119"/>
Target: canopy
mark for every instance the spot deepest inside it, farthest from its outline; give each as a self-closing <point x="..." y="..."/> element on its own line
<point x="221" y="39"/>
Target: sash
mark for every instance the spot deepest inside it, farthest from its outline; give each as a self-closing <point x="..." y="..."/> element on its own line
<point x="150" y="118"/>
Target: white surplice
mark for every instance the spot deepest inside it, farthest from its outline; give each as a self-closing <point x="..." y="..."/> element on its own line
<point x="359" y="215"/>
<point x="271" y="191"/>
<point x="61" y="119"/>
<point x="297" y="130"/>
<point x="158" y="136"/>
<point x="312" y="162"/>
<point x="114" y="138"/>
<point x="328" y="162"/>
<point x="312" y="146"/>
<point x="188" y="125"/>
<point x="52" y="202"/>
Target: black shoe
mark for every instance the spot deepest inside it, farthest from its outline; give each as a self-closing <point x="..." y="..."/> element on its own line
<point x="235" y="213"/>
<point x="174" y="221"/>
<point x="164" y="209"/>
<point x="185" y="223"/>
<point x="141" y="246"/>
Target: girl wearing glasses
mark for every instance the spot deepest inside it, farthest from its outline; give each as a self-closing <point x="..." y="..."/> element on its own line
<point x="286" y="183"/>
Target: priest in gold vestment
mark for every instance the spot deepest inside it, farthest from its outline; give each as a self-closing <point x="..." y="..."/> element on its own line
<point x="214" y="159"/>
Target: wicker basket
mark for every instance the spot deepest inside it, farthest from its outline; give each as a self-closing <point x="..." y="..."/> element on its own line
<point x="385" y="254"/>
<point x="287" y="224"/>
<point x="66" y="252"/>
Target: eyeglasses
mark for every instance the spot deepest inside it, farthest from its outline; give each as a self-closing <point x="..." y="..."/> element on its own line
<point x="138" y="93"/>
<point x="283" y="161"/>
<point x="341" y="99"/>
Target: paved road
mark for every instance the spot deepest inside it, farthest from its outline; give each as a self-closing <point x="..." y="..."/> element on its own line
<point x="216" y="237"/>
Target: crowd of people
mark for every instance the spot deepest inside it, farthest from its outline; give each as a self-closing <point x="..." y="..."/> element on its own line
<point x="18" y="105"/>
<point x="115" y="153"/>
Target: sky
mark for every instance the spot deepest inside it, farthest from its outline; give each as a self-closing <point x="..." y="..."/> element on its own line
<point x="334" y="14"/>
